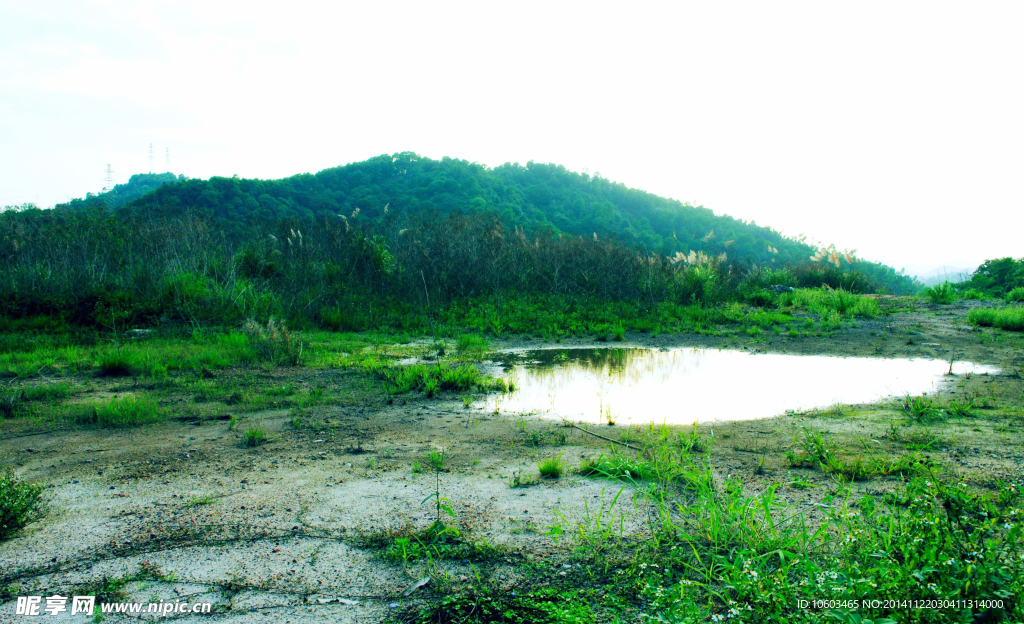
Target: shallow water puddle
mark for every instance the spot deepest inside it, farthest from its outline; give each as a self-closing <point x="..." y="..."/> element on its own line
<point x="682" y="386"/>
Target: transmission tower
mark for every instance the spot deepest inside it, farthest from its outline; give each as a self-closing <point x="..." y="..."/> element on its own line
<point x="109" y="180"/>
<point x="167" y="159"/>
<point x="151" y="158"/>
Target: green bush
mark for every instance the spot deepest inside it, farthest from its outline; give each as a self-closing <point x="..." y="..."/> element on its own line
<point x="940" y="293"/>
<point x="1015" y="295"/>
<point x="21" y="503"/>
<point x="1010" y="319"/>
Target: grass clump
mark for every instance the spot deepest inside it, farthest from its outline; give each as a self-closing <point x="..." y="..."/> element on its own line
<point x="1010" y="319"/>
<point x="551" y="468"/>
<point x="438" y="541"/>
<point x="826" y="300"/>
<point x="255" y="435"/>
<point x="432" y="379"/>
<point x="273" y="343"/>
<point x="487" y="606"/>
<point x="57" y="391"/>
<point x="115" y="364"/>
<point x="21" y="503"/>
<point x="129" y="411"/>
<point x="921" y="408"/>
<point x="471" y="344"/>
<point x="816" y="452"/>
<point x="1016" y="295"/>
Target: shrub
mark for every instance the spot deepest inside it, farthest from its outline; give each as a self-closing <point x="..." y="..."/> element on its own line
<point x="1015" y="295"/>
<point x="21" y="503"/>
<point x="128" y="411"/>
<point x="940" y="293"/>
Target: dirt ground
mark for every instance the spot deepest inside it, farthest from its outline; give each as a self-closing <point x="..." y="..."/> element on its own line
<point x="266" y="534"/>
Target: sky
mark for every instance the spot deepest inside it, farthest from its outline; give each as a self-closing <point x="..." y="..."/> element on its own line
<point x="892" y="128"/>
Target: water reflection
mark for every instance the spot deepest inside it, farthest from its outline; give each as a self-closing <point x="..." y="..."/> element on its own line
<point x="686" y="385"/>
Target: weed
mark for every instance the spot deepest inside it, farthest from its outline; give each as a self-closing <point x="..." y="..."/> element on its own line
<point x="255" y="435"/>
<point x="920" y="408"/>
<point x="437" y="461"/>
<point x="1016" y="295"/>
<point x="199" y="501"/>
<point x="232" y="422"/>
<point x="551" y="468"/>
<point x="21" y="503"/>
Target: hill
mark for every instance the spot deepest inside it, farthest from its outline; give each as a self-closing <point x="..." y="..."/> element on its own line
<point x="536" y="197"/>
<point x="137" y="186"/>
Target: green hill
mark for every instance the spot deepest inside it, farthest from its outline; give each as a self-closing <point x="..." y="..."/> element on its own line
<point x="137" y="186"/>
<point x="536" y="197"/>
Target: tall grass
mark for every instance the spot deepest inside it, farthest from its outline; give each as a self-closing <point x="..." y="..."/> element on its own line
<point x="1010" y="319"/>
<point x="825" y="300"/>
<point x="128" y="411"/>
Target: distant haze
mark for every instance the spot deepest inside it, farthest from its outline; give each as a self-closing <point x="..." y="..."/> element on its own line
<point x="893" y="128"/>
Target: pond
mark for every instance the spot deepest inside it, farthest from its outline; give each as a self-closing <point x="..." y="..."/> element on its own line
<point x="686" y="385"/>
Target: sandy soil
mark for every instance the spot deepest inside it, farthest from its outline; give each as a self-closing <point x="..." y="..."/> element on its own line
<point x="263" y="533"/>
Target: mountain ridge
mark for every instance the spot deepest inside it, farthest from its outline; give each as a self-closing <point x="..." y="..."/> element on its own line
<point x="535" y="196"/>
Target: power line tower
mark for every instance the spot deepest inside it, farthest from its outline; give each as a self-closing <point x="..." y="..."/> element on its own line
<point x="151" y="158"/>
<point x="167" y="158"/>
<point x="109" y="180"/>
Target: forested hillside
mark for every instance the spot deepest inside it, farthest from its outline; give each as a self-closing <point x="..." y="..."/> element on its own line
<point x="137" y="186"/>
<point x="536" y="197"/>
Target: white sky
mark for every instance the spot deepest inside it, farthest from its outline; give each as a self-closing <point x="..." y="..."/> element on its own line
<point x="895" y="128"/>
